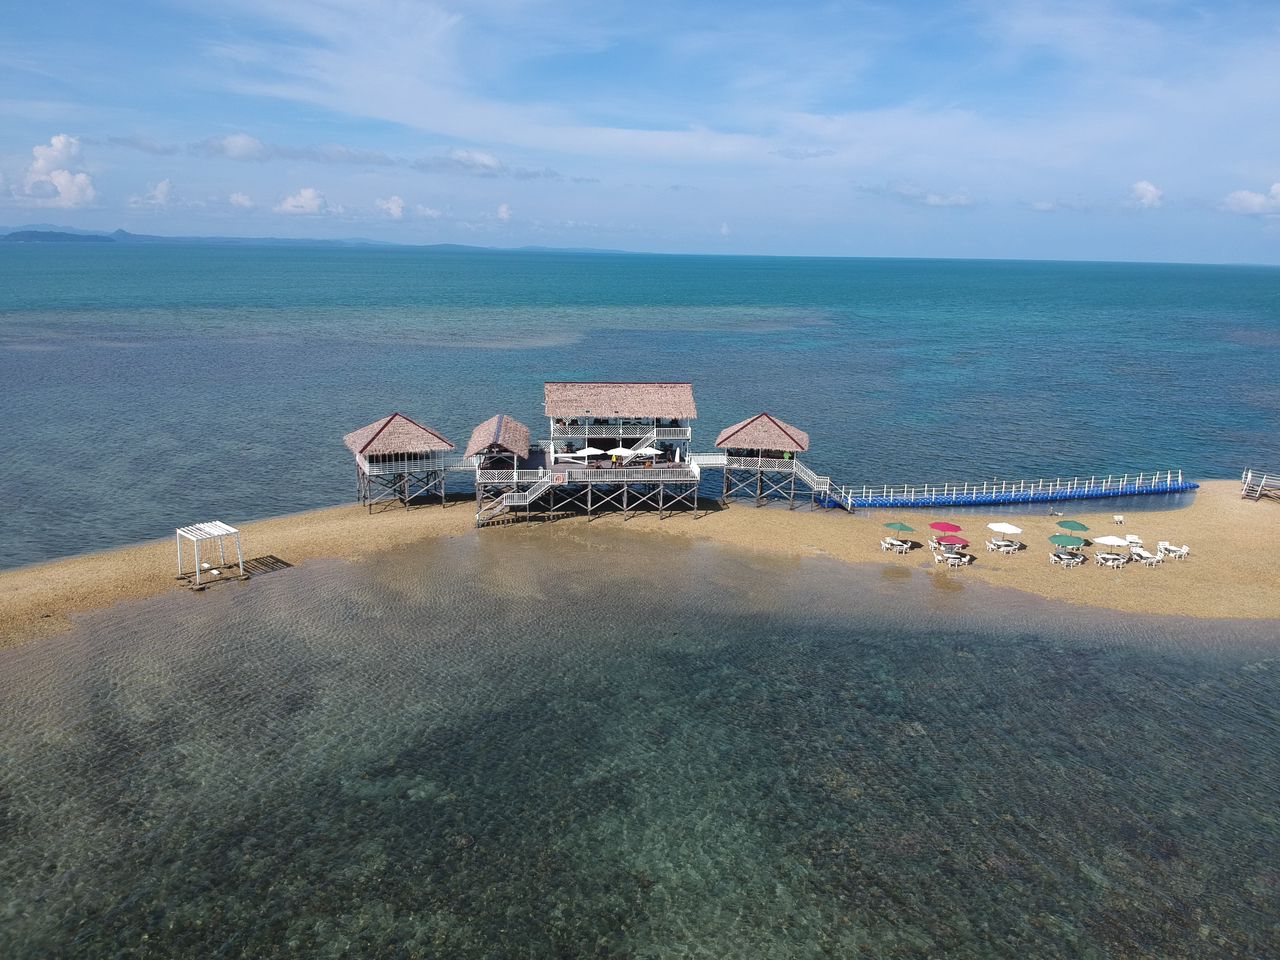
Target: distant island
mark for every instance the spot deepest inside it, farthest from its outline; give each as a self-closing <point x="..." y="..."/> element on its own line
<point x="54" y="236"/>
<point x="47" y="233"/>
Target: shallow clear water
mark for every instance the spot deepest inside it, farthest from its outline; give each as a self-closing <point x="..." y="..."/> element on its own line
<point x="549" y="743"/>
<point x="150" y="387"/>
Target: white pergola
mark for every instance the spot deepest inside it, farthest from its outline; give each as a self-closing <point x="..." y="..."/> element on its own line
<point x="213" y="530"/>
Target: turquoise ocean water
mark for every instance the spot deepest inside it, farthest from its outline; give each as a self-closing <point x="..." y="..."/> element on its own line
<point x="557" y="740"/>
<point x="147" y="387"/>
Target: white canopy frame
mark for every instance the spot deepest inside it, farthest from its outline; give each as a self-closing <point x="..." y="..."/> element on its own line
<point x="210" y="530"/>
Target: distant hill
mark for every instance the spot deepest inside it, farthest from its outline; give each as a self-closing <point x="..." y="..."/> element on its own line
<point x="51" y="233"/>
<point x="53" y="236"/>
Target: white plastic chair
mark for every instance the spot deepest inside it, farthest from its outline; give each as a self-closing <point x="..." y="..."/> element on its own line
<point x="1119" y="519"/>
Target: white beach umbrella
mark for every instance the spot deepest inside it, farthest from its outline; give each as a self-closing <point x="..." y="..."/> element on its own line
<point x="646" y="452"/>
<point x="588" y="452"/>
<point x="1008" y="528"/>
<point x="1112" y="541"/>
<point x="619" y="452"/>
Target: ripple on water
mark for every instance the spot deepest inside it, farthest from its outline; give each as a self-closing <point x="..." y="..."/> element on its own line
<point x="596" y="745"/>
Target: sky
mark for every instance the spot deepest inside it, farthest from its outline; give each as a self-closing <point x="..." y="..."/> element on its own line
<point x="992" y="128"/>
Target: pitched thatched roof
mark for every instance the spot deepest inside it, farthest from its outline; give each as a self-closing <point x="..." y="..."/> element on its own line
<point x="500" y="431"/>
<point x="662" y="400"/>
<point x="763" y="432"/>
<point x="395" y="434"/>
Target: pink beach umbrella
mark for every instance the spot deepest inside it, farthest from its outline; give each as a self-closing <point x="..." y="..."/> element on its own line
<point x="945" y="527"/>
<point x="953" y="539"/>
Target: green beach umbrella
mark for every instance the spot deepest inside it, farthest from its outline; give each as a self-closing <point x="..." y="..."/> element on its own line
<point x="1072" y="525"/>
<point x="1066" y="540"/>
<point x="900" y="527"/>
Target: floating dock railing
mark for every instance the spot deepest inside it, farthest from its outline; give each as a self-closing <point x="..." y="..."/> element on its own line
<point x="990" y="492"/>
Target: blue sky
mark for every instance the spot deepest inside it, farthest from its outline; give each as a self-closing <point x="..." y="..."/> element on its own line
<point x="1021" y="128"/>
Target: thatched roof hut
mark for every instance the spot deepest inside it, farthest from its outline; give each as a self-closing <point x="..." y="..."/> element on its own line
<point x="395" y="436"/>
<point x="763" y="432"/>
<point x="500" y="435"/>
<point x="662" y="401"/>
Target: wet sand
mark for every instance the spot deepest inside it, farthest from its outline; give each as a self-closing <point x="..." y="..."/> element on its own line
<point x="1233" y="570"/>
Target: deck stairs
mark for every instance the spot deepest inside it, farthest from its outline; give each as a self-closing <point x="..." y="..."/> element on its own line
<point x="1256" y="486"/>
<point x="515" y="498"/>
<point x="648" y="440"/>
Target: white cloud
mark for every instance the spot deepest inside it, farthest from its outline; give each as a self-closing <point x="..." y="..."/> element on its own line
<point x="234" y="146"/>
<point x="930" y="198"/>
<point x="724" y="230"/>
<point x="1044" y="206"/>
<point x="245" y="147"/>
<point x="427" y="213"/>
<point x="48" y="181"/>
<point x="475" y="162"/>
<point x="394" y="207"/>
<point x="1146" y="195"/>
<point x="504" y="212"/>
<point x="241" y="200"/>
<point x="158" y="196"/>
<point x="1252" y="202"/>
<point x="307" y="201"/>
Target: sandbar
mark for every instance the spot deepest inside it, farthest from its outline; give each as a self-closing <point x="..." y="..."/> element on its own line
<point x="1232" y="571"/>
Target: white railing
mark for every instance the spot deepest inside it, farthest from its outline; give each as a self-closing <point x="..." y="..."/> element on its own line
<point x="543" y="481"/>
<point x="522" y="498"/>
<point x="812" y="480"/>
<point x="708" y="459"/>
<point x="623" y="431"/>
<point x="428" y="464"/>
<point x="815" y="483"/>
<point x="648" y="440"/>
<point x="1081" y="485"/>
<point x="1254" y="485"/>
<point x="761" y="463"/>
<point x="515" y="498"/>
<point x="459" y="462"/>
<point x="629" y="474"/>
<point x="508" y="476"/>
<point x="405" y="465"/>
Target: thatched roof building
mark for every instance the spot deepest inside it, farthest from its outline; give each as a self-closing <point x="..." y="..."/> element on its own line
<point x="663" y="401"/>
<point x="395" y="436"/>
<point x="763" y="432"/>
<point x="500" y="435"/>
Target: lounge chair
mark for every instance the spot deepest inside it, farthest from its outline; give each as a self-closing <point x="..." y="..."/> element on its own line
<point x="1165" y="548"/>
<point x="1146" y="558"/>
<point x="1134" y="540"/>
<point x="992" y="546"/>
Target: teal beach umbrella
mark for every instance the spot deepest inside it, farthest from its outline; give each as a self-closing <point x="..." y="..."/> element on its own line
<point x="900" y="527"/>
<point x="1066" y="540"/>
<point x="1075" y="525"/>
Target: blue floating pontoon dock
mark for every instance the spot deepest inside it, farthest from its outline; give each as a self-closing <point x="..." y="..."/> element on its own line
<point x="997" y="492"/>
